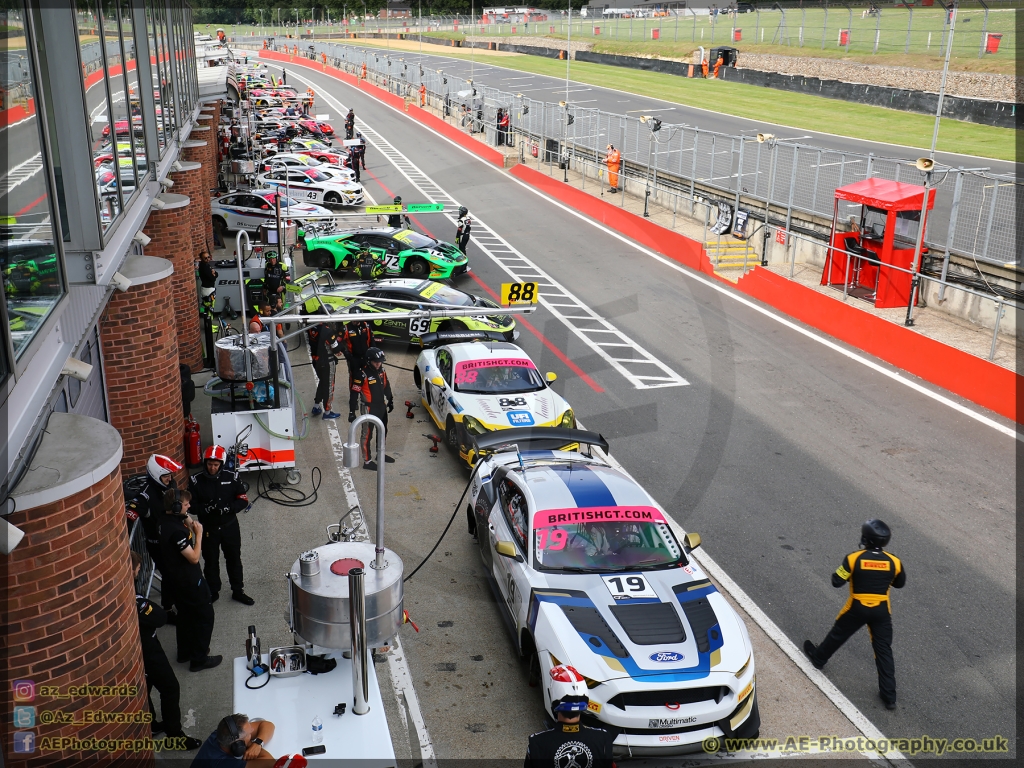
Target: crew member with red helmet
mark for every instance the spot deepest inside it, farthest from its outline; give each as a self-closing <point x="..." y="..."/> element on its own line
<point x="569" y="743"/>
<point x="372" y="386"/>
<point x="357" y="338"/>
<point x="218" y="497"/>
<point x="149" y="505"/>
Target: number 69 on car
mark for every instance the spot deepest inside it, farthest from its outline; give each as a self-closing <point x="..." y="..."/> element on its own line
<point x="519" y="293"/>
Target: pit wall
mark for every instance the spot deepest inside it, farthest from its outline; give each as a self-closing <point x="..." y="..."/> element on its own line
<point x="980" y="381"/>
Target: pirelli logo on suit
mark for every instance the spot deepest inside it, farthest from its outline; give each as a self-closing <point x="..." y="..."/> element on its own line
<point x="875" y="565"/>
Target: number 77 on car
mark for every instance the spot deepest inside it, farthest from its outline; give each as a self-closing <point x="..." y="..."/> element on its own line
<point x="519" y="293"/>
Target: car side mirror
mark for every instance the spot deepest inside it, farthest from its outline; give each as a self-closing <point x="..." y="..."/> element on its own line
<point x="508" y="549"/>
<point x="550" y="376"/>
<point x="437" y="381"/>
<point x="691" y="541"/>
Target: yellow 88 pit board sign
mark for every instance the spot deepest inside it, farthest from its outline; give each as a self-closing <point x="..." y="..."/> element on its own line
<point x="519" y="293"/>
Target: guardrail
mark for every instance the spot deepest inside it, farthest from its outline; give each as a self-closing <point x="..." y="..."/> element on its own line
<point x="783" y="185"/>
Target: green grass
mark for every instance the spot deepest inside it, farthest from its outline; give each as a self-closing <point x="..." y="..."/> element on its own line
<point x="800" y="111"/>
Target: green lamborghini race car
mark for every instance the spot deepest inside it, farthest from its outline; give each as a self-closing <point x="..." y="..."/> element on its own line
<point x="403" y="251"/>
<point x="380" y="297"/>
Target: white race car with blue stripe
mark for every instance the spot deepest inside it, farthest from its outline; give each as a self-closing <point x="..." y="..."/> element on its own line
<point x="470" y="388"/>
<point x="589" y="573"/>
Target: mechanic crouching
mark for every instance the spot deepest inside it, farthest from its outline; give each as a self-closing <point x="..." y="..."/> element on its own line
<point x="218" y="497"/>
<point x="569" y="743"/>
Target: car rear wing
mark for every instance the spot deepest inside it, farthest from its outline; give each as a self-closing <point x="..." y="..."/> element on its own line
<point x="537" y="439"/>
<point x="438" y="338"/>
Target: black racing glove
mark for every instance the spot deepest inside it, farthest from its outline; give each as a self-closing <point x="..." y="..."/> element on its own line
<point x="391" y="405"/>
<point x="351" y="416"/>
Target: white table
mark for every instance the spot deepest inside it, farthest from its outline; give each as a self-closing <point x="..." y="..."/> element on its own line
<point x="291" y="702"/>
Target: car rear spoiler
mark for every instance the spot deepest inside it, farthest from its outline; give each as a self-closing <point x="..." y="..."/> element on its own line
<point x="430" y="340"/>
<point x="537" y="439"/>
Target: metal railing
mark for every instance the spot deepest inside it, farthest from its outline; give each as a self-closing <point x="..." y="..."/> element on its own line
<point x="975" y="214"/>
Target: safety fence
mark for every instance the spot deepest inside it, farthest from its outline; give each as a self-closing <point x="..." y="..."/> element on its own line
<point x="976" y="214"/>
<point x="982" y="28"/>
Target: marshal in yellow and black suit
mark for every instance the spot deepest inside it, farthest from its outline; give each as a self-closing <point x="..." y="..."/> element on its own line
<point x="871" y="572"/>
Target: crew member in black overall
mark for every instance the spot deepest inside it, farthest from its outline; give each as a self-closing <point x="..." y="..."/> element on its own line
<point x="463" y="229"/>
<point x="324" y="349"/>
<point x="373" y="385"/>
<point x="149" y="505"/>
<point x="219" y="496"/>
<point x="180" y="537"/>
<point x="395" y="219"/>
<point x="356" y="338"/>
<point x="159" y="673"/>
<point x="570" y="744"/>
<point x="350" y="124"/>
<point x="274" y="277"/>
<point x="871" y="572"/>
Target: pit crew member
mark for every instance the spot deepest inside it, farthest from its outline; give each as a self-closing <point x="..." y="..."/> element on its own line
<point x="569" y="743"/>
<point x="372" y="383"/>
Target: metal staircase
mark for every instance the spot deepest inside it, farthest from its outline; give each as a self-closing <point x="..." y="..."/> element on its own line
<point x="727" y="255"/>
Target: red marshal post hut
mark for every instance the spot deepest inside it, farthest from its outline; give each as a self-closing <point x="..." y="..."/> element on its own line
<point x="874" y="259"/>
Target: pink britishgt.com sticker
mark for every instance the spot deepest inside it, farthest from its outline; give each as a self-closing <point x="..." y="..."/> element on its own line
<point x="466" y="371"/>
<point x="552" y="517"/>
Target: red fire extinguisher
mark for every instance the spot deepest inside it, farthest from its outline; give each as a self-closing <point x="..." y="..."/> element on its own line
<point x="193" y="443"/>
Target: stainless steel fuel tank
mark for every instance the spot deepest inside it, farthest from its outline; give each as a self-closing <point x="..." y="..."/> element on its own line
<point x="318" y="605"/>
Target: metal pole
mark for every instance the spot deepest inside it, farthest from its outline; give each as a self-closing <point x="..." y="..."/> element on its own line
<point x="241" y="292"/>
<point x="824" y="27"/>
<point x="568" y="58"/>
<point x="910" y="23"/>
<point x="984" y="30"/>
<point x="789" y="212"/>
<point x="878" y="31"/>
<point x="357" y="623"/>
<point x="915" y="279"/>
<point x="353" y="458"/>
<point x="995" y="331"/>
<point x="953" y="211"/>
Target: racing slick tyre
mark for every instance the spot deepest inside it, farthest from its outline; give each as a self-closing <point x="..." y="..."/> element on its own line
<point x="319" y="258"/>
<point x="332" y="198"/>
<point x="451" y="435"/>
<point x="417" y="379"/>
<point x="417" y="268"/>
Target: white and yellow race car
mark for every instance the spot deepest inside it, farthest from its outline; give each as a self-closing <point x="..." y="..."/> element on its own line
<point x="472" y="387"/>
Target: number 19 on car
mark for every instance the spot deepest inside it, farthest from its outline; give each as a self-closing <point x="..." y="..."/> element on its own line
<point x="519" y="293"/>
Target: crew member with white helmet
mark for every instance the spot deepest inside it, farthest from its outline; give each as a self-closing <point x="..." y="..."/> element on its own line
<point x="570" y="744"/>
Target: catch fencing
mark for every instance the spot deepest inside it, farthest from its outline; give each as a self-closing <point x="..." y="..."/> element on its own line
<point x="976" y="214"/>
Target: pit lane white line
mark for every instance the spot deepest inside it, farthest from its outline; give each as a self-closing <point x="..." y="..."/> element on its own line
<point x="898" y="376"/>
<point x="522" y="269"/>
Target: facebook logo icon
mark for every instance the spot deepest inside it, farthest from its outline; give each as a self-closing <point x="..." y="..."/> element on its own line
<point x="24" y="741"/>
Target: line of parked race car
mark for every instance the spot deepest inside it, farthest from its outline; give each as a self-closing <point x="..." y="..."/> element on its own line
<point x="586" y="569"/>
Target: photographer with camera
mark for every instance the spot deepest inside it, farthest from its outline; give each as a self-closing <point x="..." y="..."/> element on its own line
<point x="218" y="497"/>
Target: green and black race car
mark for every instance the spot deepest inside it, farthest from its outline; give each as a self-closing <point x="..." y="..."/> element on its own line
<point x="403" y="251"/>
<point x="380" y="297"/>
<point x="29" y="268"/>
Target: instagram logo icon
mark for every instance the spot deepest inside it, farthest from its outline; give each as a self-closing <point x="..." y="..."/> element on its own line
<point x="24" y="690"/>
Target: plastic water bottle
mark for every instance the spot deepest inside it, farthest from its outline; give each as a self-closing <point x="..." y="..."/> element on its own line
<point x="318" y="730"/>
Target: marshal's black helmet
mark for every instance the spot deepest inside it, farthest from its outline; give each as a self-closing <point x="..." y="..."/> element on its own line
<point x="374" y="355"/>
<point x="463" y="210"/>
<point x="874" y="534"/>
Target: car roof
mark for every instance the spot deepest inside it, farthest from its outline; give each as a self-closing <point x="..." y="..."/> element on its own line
<point x="484" y="350"/>
<point x="565" y="484"/>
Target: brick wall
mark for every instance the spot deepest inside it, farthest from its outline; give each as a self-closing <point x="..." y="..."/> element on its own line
<point x="140" y="354"/>
<point x="193" y="184"/>
<point x="69" y="619"/>
<point x="204" y="225"/>
<point x="173" y="241"/>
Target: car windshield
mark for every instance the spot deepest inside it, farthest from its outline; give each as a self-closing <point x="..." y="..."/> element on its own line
<point x="285" y="201"/>
<point x="414" y="239"/>
<point x="497" y="376"/>
<point x="442" y="294"/>
<point x="311" y="162"/>
<point x="318" y="175"/>
<point x="604" y="539"/>
<point x="318" y="146"/>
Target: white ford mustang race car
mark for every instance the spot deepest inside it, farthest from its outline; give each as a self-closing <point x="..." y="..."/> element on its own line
<point x="471" y="388"/>
<point x="590" y="574"/>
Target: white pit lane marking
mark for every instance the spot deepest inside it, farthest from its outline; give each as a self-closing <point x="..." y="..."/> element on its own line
<point x="644" y="371"/>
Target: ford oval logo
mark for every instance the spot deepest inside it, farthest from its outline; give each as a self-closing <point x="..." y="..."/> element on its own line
<point x="667" y="657"/>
